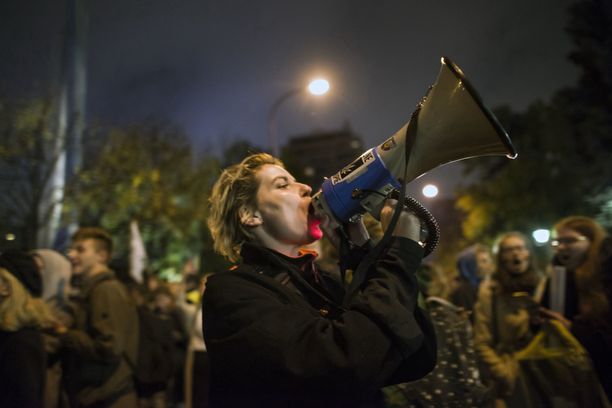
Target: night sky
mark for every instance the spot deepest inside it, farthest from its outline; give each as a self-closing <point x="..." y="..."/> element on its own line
<point x="216" y="67"/>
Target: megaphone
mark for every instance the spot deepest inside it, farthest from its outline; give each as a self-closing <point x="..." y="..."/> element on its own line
<point x="450" y="123"/>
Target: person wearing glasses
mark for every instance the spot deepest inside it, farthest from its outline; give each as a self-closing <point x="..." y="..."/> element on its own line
<point x="505" y="313"/>
<point x="574" y="285"/>
<point x="578" y="289"/>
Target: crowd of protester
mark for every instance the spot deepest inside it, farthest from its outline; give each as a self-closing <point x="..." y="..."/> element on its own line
<point x="73" y="334"/>
<point x="76" y="333"/>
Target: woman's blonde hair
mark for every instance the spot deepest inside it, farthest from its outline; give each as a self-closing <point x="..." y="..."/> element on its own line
<point x="591" y="295"/>
<point x="20" y="309"/>
<point x="235" y="189"/>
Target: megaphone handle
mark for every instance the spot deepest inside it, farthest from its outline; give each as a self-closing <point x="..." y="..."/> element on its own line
<point x="433" y="230"/>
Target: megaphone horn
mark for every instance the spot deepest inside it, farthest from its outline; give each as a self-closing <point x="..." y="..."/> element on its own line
<point x="451" y="123"/>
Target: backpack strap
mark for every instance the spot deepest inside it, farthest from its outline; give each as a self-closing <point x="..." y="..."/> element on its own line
<point x="494" y="322"/>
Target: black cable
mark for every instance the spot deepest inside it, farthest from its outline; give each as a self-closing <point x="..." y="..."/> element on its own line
<point x="430" y="234"/>
<point x="360" y="273"/>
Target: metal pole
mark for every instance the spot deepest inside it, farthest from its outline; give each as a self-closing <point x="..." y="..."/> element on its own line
<point x="272" y="126"/>
<point x="71" y="112"/>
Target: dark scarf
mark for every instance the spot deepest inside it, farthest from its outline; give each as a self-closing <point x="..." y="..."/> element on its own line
<point x="524" y="282"/>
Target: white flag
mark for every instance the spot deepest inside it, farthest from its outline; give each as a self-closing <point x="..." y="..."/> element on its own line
<point x="138" y="253"/>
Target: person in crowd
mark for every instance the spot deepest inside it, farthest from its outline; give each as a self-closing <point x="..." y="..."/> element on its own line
<point x="594" y="327"/>
<point x="164" y="305"/>
<point x="101" y="348"/>
<point x="532" y="361"/>
<point x="157" y="346"/>
<point x="138" y="292"/>
<point x="505" y="317"/>
<point x="55" y="271"/>
<point x="278" y="330"/>
<point x="474" y="264"/>
<point x="576" y="242"/>
<point x="456" y="379"/>
<point x="23" y="264"/>
<point x="582" y="255"/>
<point x="197" y="367"/>
<point x="23" y="316"/>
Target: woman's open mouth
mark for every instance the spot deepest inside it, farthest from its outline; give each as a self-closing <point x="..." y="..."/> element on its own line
<point x="313" y="225"/>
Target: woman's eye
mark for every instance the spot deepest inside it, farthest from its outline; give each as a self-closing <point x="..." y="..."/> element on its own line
<point x="283" y="185"/>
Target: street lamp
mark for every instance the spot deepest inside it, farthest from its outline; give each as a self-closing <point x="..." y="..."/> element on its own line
<point x="430" y="191"/>
<point x="541" y="236"/>
<point x="316" y="87"/>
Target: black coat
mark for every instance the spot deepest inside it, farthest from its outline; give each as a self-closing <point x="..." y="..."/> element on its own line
<point x="275" y="341"/>
<point x="23" y="365"/>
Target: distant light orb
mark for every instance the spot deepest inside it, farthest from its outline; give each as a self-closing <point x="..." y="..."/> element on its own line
<point x="318" y="87"/>
<point x="355" y="144"/>
<point x="309" y="171"/>
<point x="430" y="191"/>
<point x="9" y="237"/>
<point x="541" y="236"/>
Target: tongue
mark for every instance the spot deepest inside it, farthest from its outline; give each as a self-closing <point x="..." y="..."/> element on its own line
<point x="313" y="228"/>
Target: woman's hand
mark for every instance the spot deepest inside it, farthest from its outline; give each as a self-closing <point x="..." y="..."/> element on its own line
<point x="356" y="231"/>
<point x="547" y="313"/>
<point x="408" y="225"/>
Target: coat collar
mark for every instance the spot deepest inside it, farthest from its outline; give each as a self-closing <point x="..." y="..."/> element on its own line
<point x="276" y="265"/>
<point x="272" y="261"/>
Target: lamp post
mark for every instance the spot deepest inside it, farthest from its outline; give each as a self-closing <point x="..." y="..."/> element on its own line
<point x="315" y="87"/>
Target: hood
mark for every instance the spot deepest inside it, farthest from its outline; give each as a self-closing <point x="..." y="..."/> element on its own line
<point x="467" y="266"/>
<point x="56" y="274"/>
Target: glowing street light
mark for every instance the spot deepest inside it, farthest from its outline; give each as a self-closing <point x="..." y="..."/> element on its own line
<point x="430" y="191"/>
<point x="541" y="236"/>
<point x="316" y="87"/>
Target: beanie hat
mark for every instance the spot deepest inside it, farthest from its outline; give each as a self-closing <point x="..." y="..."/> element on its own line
<point x="23" y="267"/>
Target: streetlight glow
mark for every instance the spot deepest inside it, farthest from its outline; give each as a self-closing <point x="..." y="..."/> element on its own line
<point x="318" y="87"/>
<point x="430" y="191"/>
<point x="541" y="236"/>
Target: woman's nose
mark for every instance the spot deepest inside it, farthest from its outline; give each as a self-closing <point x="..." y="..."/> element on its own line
<point x="305" y="189"/>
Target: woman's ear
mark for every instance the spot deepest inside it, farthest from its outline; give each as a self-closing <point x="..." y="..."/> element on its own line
<point x="249" y="218"/>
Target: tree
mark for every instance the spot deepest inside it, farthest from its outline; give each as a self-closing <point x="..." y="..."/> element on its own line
<point x="148" y="173"/>
<point x="564" y="145"/>
<point x="29" y="153"/>
<point x="143" y="173"/>
<point x="590" y="103"/>
<point x="206" y="173"/>
<point x="530" y="191"/>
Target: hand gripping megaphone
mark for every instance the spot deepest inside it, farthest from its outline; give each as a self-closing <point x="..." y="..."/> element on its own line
<point x="451" y="123"/>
